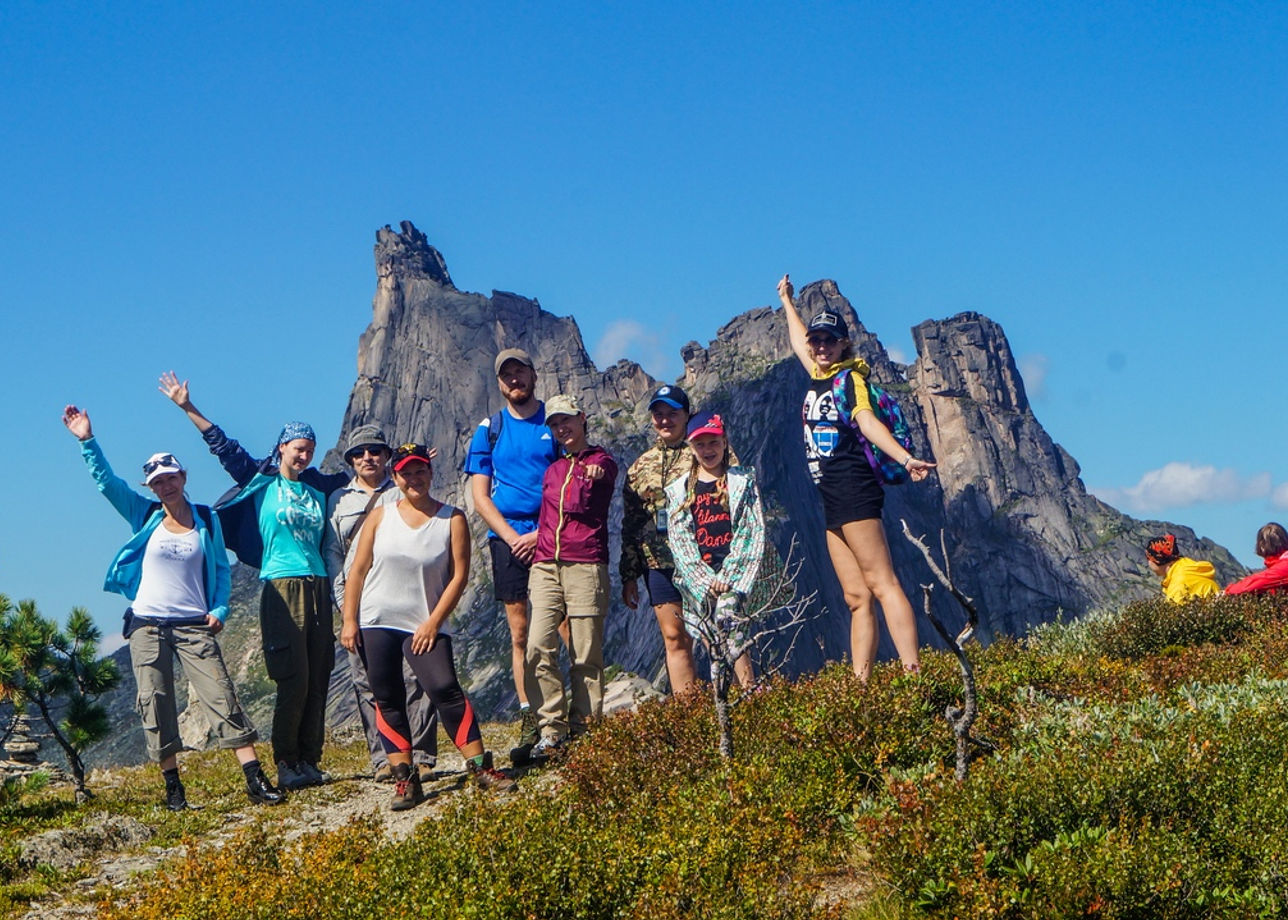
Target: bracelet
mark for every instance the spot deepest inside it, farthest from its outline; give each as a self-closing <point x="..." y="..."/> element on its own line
<point x="908" y="460"/>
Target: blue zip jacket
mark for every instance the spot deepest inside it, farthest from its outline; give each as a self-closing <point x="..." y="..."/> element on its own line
<point x="238" y="508"/>
<point x="126" y="570"/>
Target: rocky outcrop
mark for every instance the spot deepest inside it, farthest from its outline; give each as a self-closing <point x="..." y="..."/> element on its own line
<point x="1024" y="537"/>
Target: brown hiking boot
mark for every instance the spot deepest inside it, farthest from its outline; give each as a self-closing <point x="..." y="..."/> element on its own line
<point x="407" y="792"/>
<point x="487" y="777"/>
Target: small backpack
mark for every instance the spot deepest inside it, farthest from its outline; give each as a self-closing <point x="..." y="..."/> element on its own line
<point x="886" y="408"/>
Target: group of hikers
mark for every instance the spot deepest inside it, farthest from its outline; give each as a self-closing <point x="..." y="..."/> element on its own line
<point x="1185" y="579"/>
<point x="373" y="542"/>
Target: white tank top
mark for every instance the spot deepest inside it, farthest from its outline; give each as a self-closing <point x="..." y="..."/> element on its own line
<point x="409" y="570"/>
<point x="172" y="582"/>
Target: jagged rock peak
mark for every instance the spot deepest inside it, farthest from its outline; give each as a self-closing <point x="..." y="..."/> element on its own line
<point x="968" y="356"/>
<point x="409" y="255"/>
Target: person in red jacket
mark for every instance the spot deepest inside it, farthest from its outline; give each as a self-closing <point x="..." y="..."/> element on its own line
<point x="1272" y="546"/>
<point x="569" y="580"/>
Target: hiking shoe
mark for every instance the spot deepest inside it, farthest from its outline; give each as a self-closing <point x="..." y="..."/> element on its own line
<point x="529" y="735"/>
<point x="485" y="776"/>
<point x="176" y="799"/>
<point x="384" y="774"/>
<point x="407" y="792"/>
<point x="425" y="772"/>
<point x="315" y="776"/>
<point x="289" y="776"/>
<point x="260" y="791"/>
<point x="546" y="748"/>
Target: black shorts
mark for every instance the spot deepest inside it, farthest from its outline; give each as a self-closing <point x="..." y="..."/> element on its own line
<point x="851" y="498"/>
<point x="661" y="587"/>
<point x="509" y="575"/>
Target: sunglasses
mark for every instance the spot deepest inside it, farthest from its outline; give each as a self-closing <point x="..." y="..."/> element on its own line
<point x="816" y="340"/>
<point x="153" y="465"/>
<point x="375" y="450"/>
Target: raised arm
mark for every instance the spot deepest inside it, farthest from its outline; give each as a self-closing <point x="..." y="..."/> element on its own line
<point x="177" y="393"/>
<point x="236" y="461"/>
<point x="795" y="325"/>
<point x="129" y="504"/>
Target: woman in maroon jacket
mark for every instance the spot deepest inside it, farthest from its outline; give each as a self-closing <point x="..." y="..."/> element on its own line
<point x="1272" y="546"/>
<point x="569" y="579"/>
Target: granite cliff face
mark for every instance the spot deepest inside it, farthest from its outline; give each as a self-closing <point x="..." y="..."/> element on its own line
<point x="1024" y="537"/>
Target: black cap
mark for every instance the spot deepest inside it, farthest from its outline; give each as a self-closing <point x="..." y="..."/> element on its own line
<point x="406" y="453"/>
<point x="829" y="321"/>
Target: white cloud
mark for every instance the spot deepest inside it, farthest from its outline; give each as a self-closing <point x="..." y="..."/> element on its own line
<point x="897" y="355"/>
<point x="1279" y="497"/>
<point x="1033" y="369"/>
<point x="1178" y="485"/>
<point x="627" y="338"/>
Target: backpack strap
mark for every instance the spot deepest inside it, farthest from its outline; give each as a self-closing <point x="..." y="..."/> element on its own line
<point x="494" y="425"/>
<point x="841" y="397"/>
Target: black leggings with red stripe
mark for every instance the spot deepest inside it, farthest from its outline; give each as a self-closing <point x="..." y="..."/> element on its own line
<point x="383" y="651"/>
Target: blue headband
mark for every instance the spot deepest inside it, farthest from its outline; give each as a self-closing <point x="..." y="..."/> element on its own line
<point x="293" y="430"/>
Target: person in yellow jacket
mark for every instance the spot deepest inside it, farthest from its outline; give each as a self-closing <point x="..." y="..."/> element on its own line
<point x="1183" y="578"/>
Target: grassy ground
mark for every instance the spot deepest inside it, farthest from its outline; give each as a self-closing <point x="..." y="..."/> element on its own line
<point x="1139" y="770"/>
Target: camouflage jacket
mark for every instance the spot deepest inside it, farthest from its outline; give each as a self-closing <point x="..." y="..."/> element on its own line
<point x="643" y="496"/>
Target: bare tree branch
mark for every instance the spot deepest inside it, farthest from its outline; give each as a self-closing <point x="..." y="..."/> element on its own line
<point x="727" y="630"/>
<point x="960" y="719"/>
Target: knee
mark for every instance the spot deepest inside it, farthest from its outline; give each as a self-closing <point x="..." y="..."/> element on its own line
<point x="859" y="601"/>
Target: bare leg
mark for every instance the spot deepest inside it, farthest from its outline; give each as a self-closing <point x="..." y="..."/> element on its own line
<point x="679" y="648"/>
<point x="516" y="614"/>
<point x="863" y="624"/>
<point x="743" y="670"/>
<point x="866" y="540"/>
<point x="245" y="754"/>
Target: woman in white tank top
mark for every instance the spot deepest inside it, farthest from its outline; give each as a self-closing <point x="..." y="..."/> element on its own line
<point x="410" y="567"/>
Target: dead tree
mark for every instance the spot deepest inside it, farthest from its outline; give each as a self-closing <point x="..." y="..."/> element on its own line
<point x="960" y="719"/>
<point x="773" y="608"/>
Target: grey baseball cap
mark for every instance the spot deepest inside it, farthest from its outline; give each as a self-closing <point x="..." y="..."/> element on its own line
<point x="512" y="354"/>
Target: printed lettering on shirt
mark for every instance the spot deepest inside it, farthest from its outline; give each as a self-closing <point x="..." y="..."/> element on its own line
<point x="175" y="548"/>
<point x="298" y="513"/>
<point x="712" y="524"/>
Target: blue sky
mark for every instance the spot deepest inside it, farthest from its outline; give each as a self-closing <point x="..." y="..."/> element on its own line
<point x="198" y="189"/>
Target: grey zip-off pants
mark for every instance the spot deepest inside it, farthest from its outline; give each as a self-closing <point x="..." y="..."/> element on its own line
<point x="153" y="650"/>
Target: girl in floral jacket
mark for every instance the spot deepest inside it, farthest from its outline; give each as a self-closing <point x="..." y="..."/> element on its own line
<point x="717" y="537"/>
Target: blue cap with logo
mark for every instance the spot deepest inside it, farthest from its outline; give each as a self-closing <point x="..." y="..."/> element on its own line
<point x="673" y="396"/>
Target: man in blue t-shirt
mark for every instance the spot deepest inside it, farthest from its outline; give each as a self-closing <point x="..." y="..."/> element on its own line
<point x="507" y="458"/>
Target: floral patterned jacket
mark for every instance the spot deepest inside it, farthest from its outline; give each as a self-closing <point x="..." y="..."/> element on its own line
<point x="693" y="576"/>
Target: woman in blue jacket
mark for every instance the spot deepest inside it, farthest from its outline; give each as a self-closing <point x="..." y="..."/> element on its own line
<point x="275" y="523"/>
<point x="174" y="570"/>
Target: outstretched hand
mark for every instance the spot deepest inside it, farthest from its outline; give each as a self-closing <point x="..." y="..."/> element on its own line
<point x="174" y="390"/>
<point x="919" y="469"/>
<point x="77" y="422"/>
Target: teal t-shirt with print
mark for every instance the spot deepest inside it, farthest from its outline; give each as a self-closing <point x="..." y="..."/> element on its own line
<point x="291" y="519"/>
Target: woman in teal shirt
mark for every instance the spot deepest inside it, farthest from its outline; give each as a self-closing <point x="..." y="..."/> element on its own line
<point x="275" y="523"/>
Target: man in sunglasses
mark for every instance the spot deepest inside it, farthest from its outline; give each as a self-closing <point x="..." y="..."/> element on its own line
<point x="368" y="455"/>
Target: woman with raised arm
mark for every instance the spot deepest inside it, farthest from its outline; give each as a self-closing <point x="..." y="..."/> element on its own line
<point x="174" y="571"/>
<point x="275" y="523"/>
<point x="409" y="570"/>
<point x="852" y="495"/>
